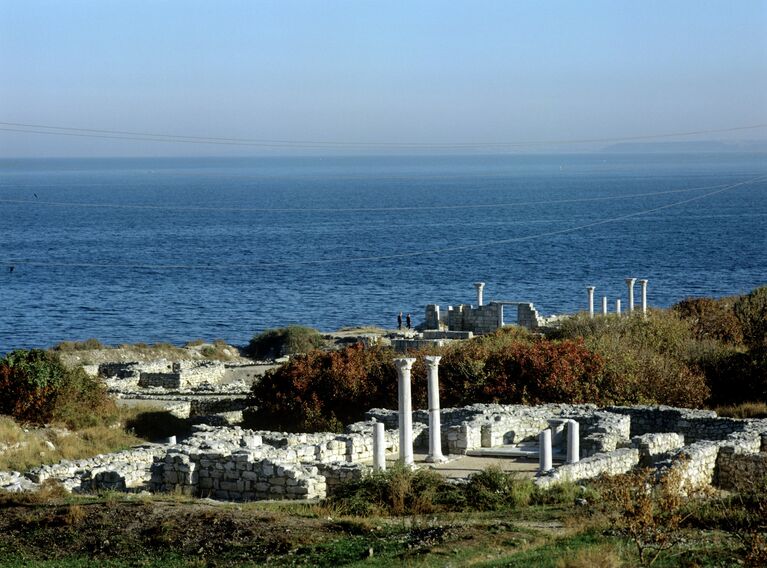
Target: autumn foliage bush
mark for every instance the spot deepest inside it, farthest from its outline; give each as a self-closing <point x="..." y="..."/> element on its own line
<point x="521" y="370"/>
<point x="35" y="387"/>
<point x="711" y="318"/>
<point x="647" y="361"/>
<point x="323" y="390"/>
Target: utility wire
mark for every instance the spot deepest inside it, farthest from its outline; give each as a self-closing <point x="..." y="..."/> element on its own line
<point x="392" y="256"/>
<point x="346" y="209"/>
<point x="316" y="144"/>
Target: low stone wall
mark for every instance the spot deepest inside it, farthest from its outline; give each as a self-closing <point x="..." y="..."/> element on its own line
<point x="336" y="473"/>
<point x="241" y="465"/>
<point x="122" y="471"/>
<point x="656" y="447"/>
<point x="613" y="463"/>
<point x="183" y="374"/>
<point x="243" y="475"/>
<point x="693" y="465"/>
<point x="736" y="470"/>
<point x="161" y="373"/>
<point x="694" y="425"/>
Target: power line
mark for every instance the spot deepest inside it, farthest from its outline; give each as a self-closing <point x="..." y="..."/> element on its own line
<point x="392" y="256"/>
<point x="319" y="144"/>
<point x="347" y="209"/>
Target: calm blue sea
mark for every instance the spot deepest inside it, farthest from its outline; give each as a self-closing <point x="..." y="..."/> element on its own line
<point x="129" y="250"/>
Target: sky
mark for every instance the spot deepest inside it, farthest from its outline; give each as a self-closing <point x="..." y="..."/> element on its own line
<point x="374" y="76"/>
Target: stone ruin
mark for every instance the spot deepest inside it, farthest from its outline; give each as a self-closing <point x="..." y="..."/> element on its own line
<point x="162" y="374"/>
<point x="186" y="389"/>
<point x="587" y="441"/>
<point x="234" y="464"/>
<point x="464" y="321"/>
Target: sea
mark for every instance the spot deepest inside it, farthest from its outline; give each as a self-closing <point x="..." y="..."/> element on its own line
<point x="171" y="250"/>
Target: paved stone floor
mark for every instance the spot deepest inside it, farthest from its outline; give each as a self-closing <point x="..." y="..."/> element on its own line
<point x="463" y="466"/>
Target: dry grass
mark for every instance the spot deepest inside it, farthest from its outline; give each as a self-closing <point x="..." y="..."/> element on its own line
<point x="743" y="410"/>
<point x="86" y="345"/>
<point x="32" y="447"/>
<point x="593" y="557"/>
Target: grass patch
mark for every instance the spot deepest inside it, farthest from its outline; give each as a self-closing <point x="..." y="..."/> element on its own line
<point x="31" y="447"/>
<point x="744" y="410"/>
<point x="279" y="342"/>
<point x="91" y="343"/>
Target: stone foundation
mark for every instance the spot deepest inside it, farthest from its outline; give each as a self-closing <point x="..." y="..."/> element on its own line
<point x="234" y="464"/>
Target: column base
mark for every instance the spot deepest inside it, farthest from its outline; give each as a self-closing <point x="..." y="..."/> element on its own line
<point x="435" y="459"/>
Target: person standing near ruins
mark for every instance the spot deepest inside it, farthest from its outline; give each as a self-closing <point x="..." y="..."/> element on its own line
<point x="399" y="321"/>
<point x="409" y="321"/>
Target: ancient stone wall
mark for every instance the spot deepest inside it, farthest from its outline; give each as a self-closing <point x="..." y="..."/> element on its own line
<point x="183" y="374"/>
<point x="235" y="464"/>
<point x="613" y="463"/>
<point x="694" y="425"/>
<point x="656" y="447"/>
<point x="121" y="471"/>
<point x="737" y="471"/>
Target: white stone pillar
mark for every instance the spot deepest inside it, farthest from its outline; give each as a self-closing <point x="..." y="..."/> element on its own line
<point x="435" y="428"/>
<point x="604" y="305"/>
<point x="643" y="283"/>
<point x="590" y="290"/>
<point x="479" y="286"/>
<point x="573" y="442"/>
<point x="618" y="306"/>
<point x="404" y="365"/>
<point x="544" y="453"/>
<point x="379" y="447"/>
<point x="630" y="284"/>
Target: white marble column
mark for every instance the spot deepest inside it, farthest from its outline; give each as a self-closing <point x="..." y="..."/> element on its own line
<point x="604" y="305"/>
<point x="643" y="283"/>
<point x="479" y="286"/>
<point x="544" y="452"/>
<point x="573" y="442"/>
<point x="404" y="365"/>
<point x="630" y="283"/>
<point x="618" y="306"/>
<point x="435" y="428"/>
<point x="590" y="290"/>
<point x="379" y="447"/>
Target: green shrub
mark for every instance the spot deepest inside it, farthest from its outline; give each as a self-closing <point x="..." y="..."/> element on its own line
<point x="396" y="491"/>
<point x="652" y="360"/>
<point x="711" y="318"/>
<point x="35" y="387"/>
<point x="493" y="489"/>
<point x="751" y="311"/>
<point x="290" y="340"/>
<point x="402" y="491"/>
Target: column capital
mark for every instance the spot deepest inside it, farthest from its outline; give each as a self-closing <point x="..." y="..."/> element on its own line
<point x="591" y="288"/>
<point x="404" y="363"/>
<point x="630" y="281"/>
<point x="432" y="360"/>
<point x="643" y="281"/>
<point x="479" y="284"/>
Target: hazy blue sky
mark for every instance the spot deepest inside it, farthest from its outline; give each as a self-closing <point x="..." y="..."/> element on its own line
<point x="411" y="71"/>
